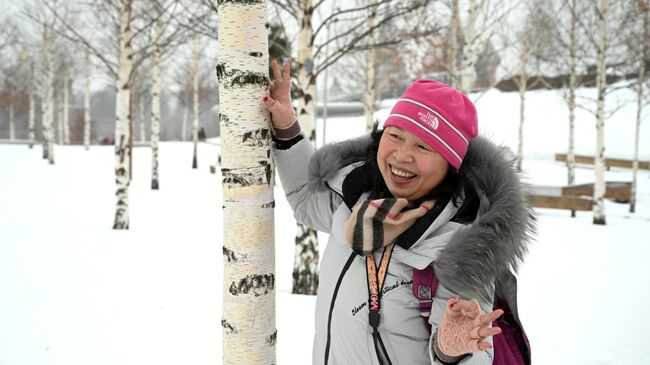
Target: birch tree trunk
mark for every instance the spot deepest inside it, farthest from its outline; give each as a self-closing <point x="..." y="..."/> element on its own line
<point x="155" y="104"/>
<point x="573" y="60"/>
<point x="249" y="332"/>
<point x="369" y="100"/>
<point x="47" y="104"/>
<point x="66" y="109"/>
<point x="452" y="50"/>
<point x="59" y="110"/>
<point x="470" y="50"/>
<point x="31" y="123"/>
<point x="12" y="122"/>
<point x="196" y="55"/>
<point x="305" y="266"/>
<point x="123" y="119"/>
<point x="599" y="186"/>
<point x="87" y="103"/>
<point x="186" y="116"/>
<point x="141" y="120"/>
<point x="643" y="54"/>
<point x="523" y="85"/>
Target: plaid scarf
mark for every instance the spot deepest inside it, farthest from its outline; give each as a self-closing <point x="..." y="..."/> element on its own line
<point x="374" y="224"/>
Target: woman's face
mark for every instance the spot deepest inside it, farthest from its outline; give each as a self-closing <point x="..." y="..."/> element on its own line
<point x="410" y="167"/>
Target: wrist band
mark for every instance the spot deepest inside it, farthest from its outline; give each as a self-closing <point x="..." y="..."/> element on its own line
<point x="287" y="133"/>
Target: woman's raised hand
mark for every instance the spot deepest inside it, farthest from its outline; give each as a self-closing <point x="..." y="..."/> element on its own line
<point x="465" y="327"/>
<point x="279" y="100"/>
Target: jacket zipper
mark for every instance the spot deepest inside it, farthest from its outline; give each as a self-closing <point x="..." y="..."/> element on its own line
<point x="336" y="291"/>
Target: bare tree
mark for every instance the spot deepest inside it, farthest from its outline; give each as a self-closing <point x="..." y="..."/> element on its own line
<point x="643" y="55"/>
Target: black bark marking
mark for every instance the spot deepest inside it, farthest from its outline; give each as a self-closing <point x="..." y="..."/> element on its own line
<point x="246" y="177"/>
<point x="231" y="256"/>
<point x="253" y="284"/>
<point x="221" y="70"/>
<point x="224" y="120"/>
<point x="259" y="137"/>
<point x="256" y="54"/>
<point x="272" y="339"/>
<point x="243" y="2"/>
<point x="241" y="78"/>
<point x="229" y="328"/>
<point x="269" y="205"/>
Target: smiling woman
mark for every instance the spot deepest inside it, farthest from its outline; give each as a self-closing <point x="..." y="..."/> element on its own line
<point x="423" y="192"/>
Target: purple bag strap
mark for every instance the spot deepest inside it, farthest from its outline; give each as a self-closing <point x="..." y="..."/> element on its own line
<point x="425" y="284"/>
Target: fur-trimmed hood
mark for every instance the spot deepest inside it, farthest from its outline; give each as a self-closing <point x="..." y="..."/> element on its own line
<point x="482" y="253"/>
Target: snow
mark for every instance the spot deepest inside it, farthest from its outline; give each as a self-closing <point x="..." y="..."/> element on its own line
<point x="74" y="291"/>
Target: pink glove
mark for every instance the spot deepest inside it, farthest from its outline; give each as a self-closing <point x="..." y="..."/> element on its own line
<point x="465" y="327"/>
<point x="279" y="101"/>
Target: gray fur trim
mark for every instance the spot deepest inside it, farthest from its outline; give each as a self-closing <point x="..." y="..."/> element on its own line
<point x="494" y="245"/>
<point x="329" y="159"/>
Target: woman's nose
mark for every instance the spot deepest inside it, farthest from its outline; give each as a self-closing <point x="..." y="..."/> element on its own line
<point x="403" y="153"/>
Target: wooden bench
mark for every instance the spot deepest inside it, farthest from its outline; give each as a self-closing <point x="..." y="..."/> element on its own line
<point x="562" y="202"/>
<point x="579" y="197"/>
<point x="609" y="162"/>
<point x="619" y="191"/>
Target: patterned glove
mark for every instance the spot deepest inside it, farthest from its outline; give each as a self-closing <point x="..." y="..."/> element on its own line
<point x="377" y="223"/>
<point x="464" y="329"/>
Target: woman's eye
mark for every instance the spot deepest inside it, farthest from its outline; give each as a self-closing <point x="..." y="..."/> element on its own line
<point x="424" y="147"/>
<point x="393" y="135"/>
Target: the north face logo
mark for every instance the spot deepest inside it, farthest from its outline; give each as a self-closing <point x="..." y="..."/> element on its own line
<point x="429" y="119"/>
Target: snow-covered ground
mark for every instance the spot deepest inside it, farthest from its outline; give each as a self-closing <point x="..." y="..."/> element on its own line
<point x="75" y="292"/>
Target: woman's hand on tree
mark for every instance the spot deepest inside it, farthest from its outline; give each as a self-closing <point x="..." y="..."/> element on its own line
<point x="279" y="100"/>
<point x="465" y="327"/>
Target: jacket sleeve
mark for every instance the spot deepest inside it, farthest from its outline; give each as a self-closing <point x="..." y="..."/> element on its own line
<point x="313" y="204"/>
<point x="438" y="308"/>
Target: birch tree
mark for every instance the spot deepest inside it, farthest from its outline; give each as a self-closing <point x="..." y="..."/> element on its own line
<point x="601" y="84"/>
<point x="196" y="69"/>
<point x="87" y="121"/>
<point x="643" y="45"/>
<point x="369" y="99"/>
<point x="155" y="98"/>
<point x="249" y="333"/>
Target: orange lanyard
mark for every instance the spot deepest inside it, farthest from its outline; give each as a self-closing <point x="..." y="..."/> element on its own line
<point x="376" y="283"/>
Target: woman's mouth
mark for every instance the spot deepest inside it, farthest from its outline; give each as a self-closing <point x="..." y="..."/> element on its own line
<point x="401" y="175"/>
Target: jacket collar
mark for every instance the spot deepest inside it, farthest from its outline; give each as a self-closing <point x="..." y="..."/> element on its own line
<point x="479" y="254"/>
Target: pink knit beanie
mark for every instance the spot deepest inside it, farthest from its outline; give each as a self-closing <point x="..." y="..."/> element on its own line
<point x="441" y="116"/>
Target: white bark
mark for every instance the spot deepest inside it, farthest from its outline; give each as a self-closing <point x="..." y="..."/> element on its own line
<point x="47" y="104"/>
<point x="470" y="50"/>
<point x="453" y="46"/>
<point x="306" y="78"/>
<point x="369" y="100"/>
<point x="249" y="332"/>
<point x="12" y="122"/>
<point x="31" y="123"/>
<point x="60" y="133"/>
<point x="87" y="103"/>
<point x="523" y="85"/>
<point x="196" y="56"/>
<point x="123" y="119"/>
<point x="186" y="116"/>
<point x="155" y="106"/>
<point x="599" y="161"/>
<point x="141" y="119"/>
<point x="66" y="109"/>
<point x="643" y="54"/>
<point x="573" y="60"/>
<point x="305" y="267"/>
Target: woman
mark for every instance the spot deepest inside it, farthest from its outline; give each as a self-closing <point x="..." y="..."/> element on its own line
<point x="414" y="194"/>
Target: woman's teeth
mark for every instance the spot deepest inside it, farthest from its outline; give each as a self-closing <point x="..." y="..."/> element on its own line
<point x="401" y="173"/>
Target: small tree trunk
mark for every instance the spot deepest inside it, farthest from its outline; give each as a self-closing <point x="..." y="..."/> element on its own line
<point x="571" y="155"/>
<point x="195" y="90"/>
<point x="12" y="122"/>
<point x="47" y="104"/>
<point x="186" y="116"/>
<point x="31" y="123"/>
<point x="523" y="85"/>
<point x="470" y="50"/>
<point x="123" y="119"/>
<point x="87" y="103"/>
<point x="60" y="127"/>
<point x="141" y="119"/>
<point x="452" y="56"/>
<point x="639" y="108"/>
<point x="599" y="186"/>
<point x="155" y="105"/>
<point x="369" y="100"/>
<point x="249" y="333"/>
<point x="66" y="109"/>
